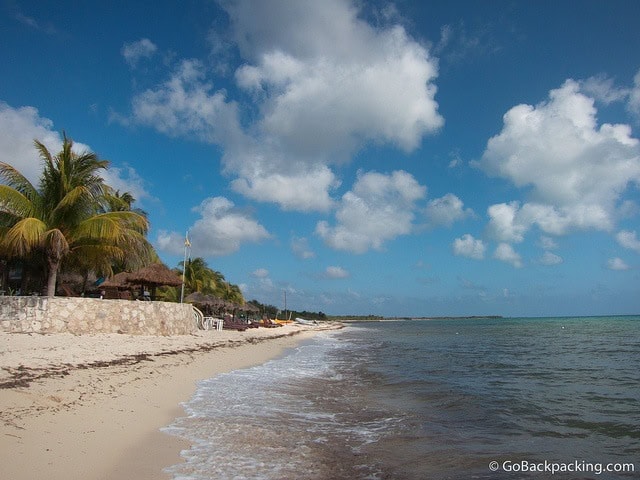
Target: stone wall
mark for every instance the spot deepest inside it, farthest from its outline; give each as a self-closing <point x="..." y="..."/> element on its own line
<point x="91" y="315"/>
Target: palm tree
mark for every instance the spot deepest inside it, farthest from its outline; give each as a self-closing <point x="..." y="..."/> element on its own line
<point x="63" y="218"/>
<point x="231" y="292"/>
<point x="114" y="201"/>
<point x="199" y="277"/>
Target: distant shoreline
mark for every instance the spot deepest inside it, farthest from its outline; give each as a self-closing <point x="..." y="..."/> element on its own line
<point x="397" y="319"/>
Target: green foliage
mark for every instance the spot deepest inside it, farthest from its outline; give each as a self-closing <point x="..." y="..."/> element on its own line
<point x="69" y="220"/>
<point x="199" y="277"/>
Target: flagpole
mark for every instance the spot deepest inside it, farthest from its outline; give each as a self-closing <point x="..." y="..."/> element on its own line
<point x="184" y="263"/>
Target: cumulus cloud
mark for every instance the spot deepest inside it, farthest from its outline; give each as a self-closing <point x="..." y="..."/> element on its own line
<point x="602" y="88"/>
<point x="617" y="263"/>
<point x="506" y="253"/>
<point x="187" y="105"/>
<point x="19" y="127"/>
<point x="548" y="243"/>
<point x="322" y="83"/>
<point x="575" y="171"/>
<point x="447" y="210"/>
<point x="549" y="258"/>
<point x="127" y="179"/>
<point x="503" y="224"/>
<point x="221" y="230"/>
<point x="260" y="273"/>
<point x="301" y="249"/>
<point x="135" y="51"/>
<point x="628" y="239"/>
<point x="336" y="272"/>
<point x="468" y="246"/>
<point x="379" y="208"/>
<point x="304" y="191"/>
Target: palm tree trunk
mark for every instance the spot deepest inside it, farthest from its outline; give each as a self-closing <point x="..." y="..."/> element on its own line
<point x="53" y="276"/>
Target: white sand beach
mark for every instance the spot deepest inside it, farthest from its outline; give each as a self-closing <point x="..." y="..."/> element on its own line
<point x="91" y="406"/>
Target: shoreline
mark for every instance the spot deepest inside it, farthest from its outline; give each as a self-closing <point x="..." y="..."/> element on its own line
<point x="91" y="406"/>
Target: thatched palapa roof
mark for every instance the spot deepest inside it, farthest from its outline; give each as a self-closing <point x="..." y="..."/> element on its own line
<point x="119" y="280"/>
<point x="203" y="299"/>
<point x="155" y="274"/>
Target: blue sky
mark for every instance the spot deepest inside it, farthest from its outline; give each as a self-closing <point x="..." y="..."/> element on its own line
<point x="408" y="158"/>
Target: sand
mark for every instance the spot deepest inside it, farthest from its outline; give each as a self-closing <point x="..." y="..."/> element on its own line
<point x="92" y="406"/>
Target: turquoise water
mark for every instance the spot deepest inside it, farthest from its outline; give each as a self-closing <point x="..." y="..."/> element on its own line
<point x="437" y="399"/>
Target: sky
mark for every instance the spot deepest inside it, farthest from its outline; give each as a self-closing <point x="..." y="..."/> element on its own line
<point x="410" y="158"/>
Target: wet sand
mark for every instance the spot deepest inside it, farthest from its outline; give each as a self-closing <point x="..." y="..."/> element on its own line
<point x="91" y="406"/>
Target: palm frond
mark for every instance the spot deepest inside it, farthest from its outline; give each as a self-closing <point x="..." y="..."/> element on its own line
<point x="74" y="206"/>
<point x="15" y="203"/>
<point x="126" y="219"/>
<point x="27" y="234"/>
<point x="98" y="258"/>
<point x="45" y="156"/>
<point x="14" y="179"/>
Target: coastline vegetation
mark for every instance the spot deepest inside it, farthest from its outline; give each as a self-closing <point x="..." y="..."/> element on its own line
<point x="73" y="226"/>
<point x="72" y="221"/>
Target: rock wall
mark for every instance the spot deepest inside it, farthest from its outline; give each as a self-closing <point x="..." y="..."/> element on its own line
<point x="91" y="315"/>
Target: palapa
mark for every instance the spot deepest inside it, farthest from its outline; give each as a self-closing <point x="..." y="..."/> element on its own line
<point x="154" y="275"/>
<point x="119" y="280"/>
<point x="208" y="303"/>
<point x="200" y="298"/>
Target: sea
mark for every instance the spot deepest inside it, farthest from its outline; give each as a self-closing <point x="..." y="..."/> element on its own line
<point x="463" y="398"/>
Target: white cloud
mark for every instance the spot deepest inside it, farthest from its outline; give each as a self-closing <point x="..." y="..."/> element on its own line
<point x="549" y="258"/>
<point x="46" y="27"/>
<point x="547" y="243"/>
<point x="221" y="230"/>
<point x="504" y="224"/>
<point x="323" y="83"/>
<point x="468" y="246"/>
<point x="336" y="272"/>
<point x="575" y="170"/>
<point x="185" y="105"/>
<point x="628" y="239"/>
<point x="506" y="253"/>
<point x="171" y="242"/>
<point x="301" y="249"/>
<point x="381" y="92"/>
<point x="126" y="179"/>
<point x="304" y="191"/>
<point x="260" y="273"/>
<point x="19" y="127"/>
<point x="379" y="208"/>
<point x="135" y="51"/>
<point x="446" y="210"/>
<point x="617" y="263"/>
<point x="601" y="88"/>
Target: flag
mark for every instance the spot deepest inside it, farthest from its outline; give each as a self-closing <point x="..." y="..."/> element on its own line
<point x="187" y="243"/>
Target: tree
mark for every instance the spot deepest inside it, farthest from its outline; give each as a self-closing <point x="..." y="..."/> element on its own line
<point x="199" y="277"/>
<point x="64" y="218"/>
<point x="231" y="292"/>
